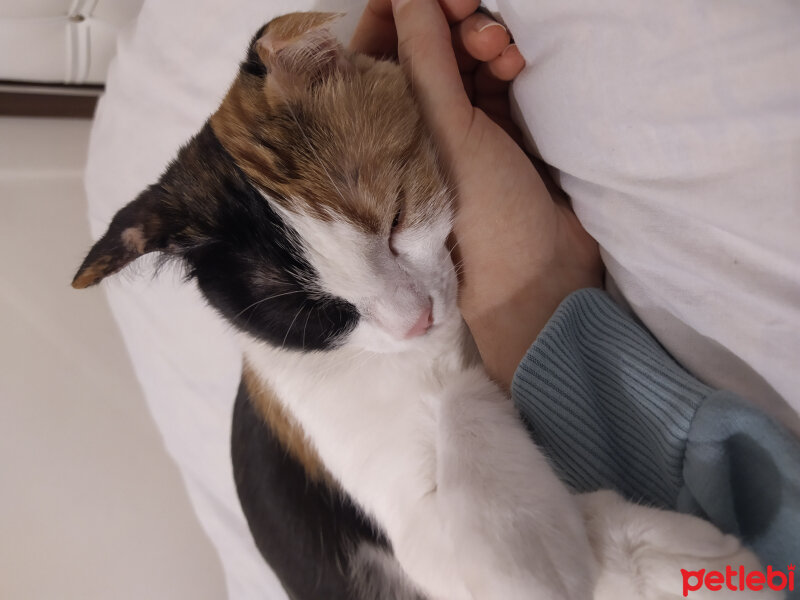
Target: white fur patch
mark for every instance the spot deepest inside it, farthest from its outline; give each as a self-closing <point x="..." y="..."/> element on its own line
<point x="133" y="238"/>
<point x="390" y="291"/>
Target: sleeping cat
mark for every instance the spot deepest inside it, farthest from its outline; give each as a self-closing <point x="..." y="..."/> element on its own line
<point x="373" y="457"/>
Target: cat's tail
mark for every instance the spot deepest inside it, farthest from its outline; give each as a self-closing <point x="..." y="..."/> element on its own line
<point x="649" y="554"/>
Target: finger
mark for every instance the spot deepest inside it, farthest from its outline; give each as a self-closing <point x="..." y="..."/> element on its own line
<point x="493" y="77"/>
<point x="425" y="50"/>
<point x="508" y="65"/>
<point x="458" y="10"/>
<point x="375" y="33"/>
<point x="466" y="62"/>
<point x="482" y="37"/>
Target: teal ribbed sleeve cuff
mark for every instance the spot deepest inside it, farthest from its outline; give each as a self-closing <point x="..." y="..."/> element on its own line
<point x="606" y="402"/>
<point x="611" y="409"/>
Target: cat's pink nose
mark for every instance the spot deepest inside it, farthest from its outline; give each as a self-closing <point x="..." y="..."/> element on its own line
<point x="423" y="323"/>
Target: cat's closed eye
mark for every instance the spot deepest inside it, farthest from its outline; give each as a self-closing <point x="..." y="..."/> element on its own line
<point x="397" y="217"/>
<point x="397" y="221"/>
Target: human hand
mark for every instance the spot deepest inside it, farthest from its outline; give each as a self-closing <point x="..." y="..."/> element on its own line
<point x="520" y="252"/>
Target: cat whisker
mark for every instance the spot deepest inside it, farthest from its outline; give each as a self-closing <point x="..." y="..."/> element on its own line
<point x="365" y="358"/>
<point x="257" y="302"/>
<point x="283" y="343"/>
<point x="337" y="366"/>
<point x="455" y="245"/>
<point x="459" y="268"/>
<point x="306" y="326"/>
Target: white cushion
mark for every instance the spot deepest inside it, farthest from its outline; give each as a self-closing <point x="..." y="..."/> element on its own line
<point x="61" y="41"/>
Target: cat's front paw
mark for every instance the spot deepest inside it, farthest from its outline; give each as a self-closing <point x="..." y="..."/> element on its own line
<point x="650" y="554"/>
<point x="517" y="532"/>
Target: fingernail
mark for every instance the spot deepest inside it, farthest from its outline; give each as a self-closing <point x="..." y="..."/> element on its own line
<point x="492" y="24"/>
<point x="507" y="48"/>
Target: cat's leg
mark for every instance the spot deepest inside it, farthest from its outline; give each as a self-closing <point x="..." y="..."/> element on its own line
<point x="516" y="530"/>
<point x="377" y="575"/>
<point x="317" y="542"/>
<point x="642" y="550"/>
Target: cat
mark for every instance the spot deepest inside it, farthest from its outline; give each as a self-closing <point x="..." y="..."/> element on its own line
<point x="373" y="457"/>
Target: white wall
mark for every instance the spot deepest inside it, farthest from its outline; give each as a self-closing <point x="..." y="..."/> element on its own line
<point x="91" y="508"/>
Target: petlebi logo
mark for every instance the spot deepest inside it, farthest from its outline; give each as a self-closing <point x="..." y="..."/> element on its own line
<point x="736" y="579"/>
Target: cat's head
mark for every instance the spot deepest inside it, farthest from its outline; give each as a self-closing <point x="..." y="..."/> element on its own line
<point x="310" y="209"/>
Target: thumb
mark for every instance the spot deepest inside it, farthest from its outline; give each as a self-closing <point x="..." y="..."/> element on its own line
<point x="425" y="50"/>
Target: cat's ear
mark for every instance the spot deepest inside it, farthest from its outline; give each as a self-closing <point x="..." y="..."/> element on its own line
<point x="299" y="48"/>
<point x="138" y="228"/>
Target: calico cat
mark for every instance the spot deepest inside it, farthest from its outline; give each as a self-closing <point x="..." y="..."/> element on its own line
<point x="373" y="457"/>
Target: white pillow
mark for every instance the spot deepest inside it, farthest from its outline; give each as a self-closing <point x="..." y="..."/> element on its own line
<point x="675" y="129"/>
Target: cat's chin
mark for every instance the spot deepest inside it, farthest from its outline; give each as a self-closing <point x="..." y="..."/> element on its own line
<point x="376" y="341"/>
<point x="369" y="338"/>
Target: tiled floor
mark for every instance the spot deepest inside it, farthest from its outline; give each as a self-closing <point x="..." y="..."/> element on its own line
<point x="91" y="508"/>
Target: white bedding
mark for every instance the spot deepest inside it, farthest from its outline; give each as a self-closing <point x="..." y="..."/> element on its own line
<point x="675" y="128"/>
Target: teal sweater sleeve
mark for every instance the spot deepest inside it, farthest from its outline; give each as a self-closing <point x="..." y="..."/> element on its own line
<point x="611" y="409"/>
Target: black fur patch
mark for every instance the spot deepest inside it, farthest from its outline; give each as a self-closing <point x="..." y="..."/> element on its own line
<point x="247" y="262"/>
<point x="252" y="65"/>
<point x="252" y="270"/>
<point x="305" y="530"/>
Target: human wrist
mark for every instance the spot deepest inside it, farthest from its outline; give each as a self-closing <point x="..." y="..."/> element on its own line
<point x="507" y="300"/>
<point x="503" y="330"/>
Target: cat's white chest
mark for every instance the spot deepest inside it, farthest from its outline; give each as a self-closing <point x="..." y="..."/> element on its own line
<point x="371" y="418"/>
<point x="373" y="421"/>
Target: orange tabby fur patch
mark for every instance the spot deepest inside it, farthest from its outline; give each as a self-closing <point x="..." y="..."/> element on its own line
<point x="332" y="148"/>
<point x="289" y="433"/>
